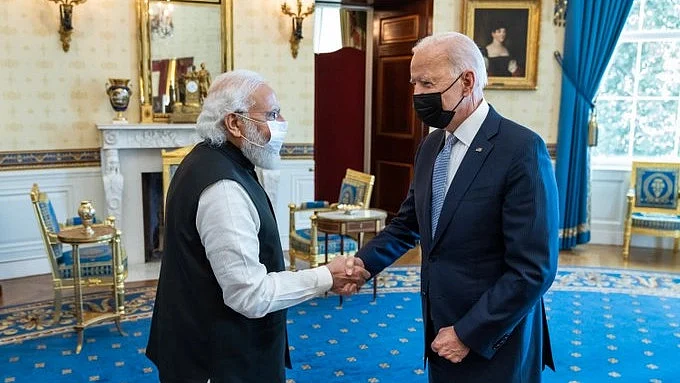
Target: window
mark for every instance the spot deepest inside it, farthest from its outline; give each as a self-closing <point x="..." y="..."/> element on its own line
<point x="327" y="33"/>
<point x="638" y="103"/>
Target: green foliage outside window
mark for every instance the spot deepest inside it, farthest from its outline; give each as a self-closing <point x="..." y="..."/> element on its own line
<point x="639" y="97"/>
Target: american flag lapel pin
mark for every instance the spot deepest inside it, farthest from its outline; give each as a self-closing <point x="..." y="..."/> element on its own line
<point x="478" y="150"/>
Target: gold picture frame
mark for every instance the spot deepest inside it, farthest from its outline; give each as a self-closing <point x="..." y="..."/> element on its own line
<point x="146" y="85"/>
<point x="507" y="33"/>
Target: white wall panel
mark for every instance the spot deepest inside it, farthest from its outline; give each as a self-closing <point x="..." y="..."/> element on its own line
<point x="608" y="210"/>
<point x="22" y="251"/>
<point x="296" y="185"/>
<point x="608" y="206"/>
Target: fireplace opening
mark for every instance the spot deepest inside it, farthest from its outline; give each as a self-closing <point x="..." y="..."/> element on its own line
<point x="152" y="206"/>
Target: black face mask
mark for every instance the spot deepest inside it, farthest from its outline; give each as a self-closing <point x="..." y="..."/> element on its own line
<point x="429" y="108"/>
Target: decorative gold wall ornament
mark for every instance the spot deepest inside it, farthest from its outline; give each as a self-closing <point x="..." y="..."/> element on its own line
<point x="560" y="13"/>
<point x="66" y="21"/>
<point x="296" y="18"/>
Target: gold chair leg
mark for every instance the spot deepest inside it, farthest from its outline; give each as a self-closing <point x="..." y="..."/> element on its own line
<point x="119" y="282"/>
<point x="676" y="242"/>
<point x="292" y="260"/>
<point x="120" y="329"/>
<point x="626" y="240"/>
<point x="79" y="346"/>
<point x="314" y="243"/>
<point x="57" y="306"/>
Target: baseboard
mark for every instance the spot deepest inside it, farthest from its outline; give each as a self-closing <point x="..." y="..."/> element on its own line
<point x="24" y="267"/>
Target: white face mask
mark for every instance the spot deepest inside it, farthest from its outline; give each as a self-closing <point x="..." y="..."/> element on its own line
<point x="277" y="130"/>
<point x="265" y="155"/>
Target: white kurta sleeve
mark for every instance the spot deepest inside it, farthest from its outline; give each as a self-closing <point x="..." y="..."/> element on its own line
<point x="228" y="224"/>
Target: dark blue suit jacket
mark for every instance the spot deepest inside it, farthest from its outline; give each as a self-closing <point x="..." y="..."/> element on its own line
<point x="492" y="257"/>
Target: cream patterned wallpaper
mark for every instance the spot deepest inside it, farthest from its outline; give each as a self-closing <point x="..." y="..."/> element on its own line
<point x="537" y="109"/>
<point x="52" y="100"/>
<point x="261" y="36"/>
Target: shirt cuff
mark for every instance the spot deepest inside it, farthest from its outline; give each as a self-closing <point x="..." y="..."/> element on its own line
<point x="324" y="278"/>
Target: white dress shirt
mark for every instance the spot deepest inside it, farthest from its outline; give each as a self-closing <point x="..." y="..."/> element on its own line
<point x="228" y="223"/>
<point x="465" y="133"/>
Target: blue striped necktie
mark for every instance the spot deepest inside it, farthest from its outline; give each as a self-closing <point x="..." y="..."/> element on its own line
<point x="439" y="177"/>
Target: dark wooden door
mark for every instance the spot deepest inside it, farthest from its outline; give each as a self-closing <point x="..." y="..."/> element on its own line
<point x="396" y="130"/>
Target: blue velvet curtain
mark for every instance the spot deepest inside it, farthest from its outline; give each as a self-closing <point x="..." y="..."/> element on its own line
<point x="592" y="30"/>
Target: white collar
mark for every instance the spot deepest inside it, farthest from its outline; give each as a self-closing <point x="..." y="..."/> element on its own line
<point x="468" y="129"/>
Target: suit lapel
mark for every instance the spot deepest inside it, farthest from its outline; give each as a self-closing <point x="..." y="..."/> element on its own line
<point x="479" y="150"/>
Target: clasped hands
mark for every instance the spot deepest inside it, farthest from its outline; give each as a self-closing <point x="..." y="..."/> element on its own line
<point x="348" y="274"/>
<point x="447" y="345"/>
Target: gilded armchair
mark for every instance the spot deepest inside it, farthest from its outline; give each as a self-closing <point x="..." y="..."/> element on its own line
<point x="652" y="203"/>
<point x="96" y="261"/>
<point x="306" y="243"/>
<point x="171" y="160"/>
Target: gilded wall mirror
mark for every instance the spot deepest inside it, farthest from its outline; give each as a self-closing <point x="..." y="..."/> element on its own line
<point x="183" y="44"/>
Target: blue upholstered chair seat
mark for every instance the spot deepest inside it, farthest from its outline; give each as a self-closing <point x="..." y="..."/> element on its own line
<point x="301" y="240"/>
<point x="656" y="221"/>
<point x="94" y="261"/>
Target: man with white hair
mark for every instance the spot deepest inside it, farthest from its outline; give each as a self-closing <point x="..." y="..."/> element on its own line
<point x="483" y="203"/>
<point x="222" y="292"/>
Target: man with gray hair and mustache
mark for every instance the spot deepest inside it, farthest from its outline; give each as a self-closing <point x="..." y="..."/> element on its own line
<point x="222" y="291"/>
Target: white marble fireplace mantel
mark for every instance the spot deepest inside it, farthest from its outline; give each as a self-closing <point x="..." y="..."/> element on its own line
<point x="127" y="151"/>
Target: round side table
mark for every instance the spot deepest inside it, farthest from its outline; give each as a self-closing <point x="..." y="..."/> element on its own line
<point x="359" y="221"/>
<point x="102" y="234"/>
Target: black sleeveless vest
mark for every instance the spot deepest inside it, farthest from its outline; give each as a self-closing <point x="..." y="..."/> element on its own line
<point x="194" y="335"/>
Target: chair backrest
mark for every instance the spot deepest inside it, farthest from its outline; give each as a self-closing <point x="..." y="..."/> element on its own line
<point x="356" y="188"/>
<point x="48" y="225"/>
<point x="171" y="160"/>
<point x="656" y="187"/>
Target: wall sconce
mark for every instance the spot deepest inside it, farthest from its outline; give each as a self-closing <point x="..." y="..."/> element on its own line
<point x="66" y="20"/>
<point x="296" y="18"/>
<point x="560" y="13"/>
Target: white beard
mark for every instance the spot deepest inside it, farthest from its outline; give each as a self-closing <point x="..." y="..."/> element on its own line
<point x="262" y="157"/>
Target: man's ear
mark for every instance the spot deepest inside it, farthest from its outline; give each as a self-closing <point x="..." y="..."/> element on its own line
<point x="231" y="125"/>
<point x="468" y="82"/>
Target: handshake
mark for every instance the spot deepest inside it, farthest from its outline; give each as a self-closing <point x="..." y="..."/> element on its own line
<point x="348" y="274"/>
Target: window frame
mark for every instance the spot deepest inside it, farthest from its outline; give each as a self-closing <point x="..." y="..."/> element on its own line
<point x="638" y="36"/>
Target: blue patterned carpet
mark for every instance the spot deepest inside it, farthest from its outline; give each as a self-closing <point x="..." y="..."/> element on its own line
<point x="606" y="326"/>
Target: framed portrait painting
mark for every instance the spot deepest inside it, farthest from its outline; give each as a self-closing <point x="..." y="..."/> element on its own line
<point x="506" y="32"/>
